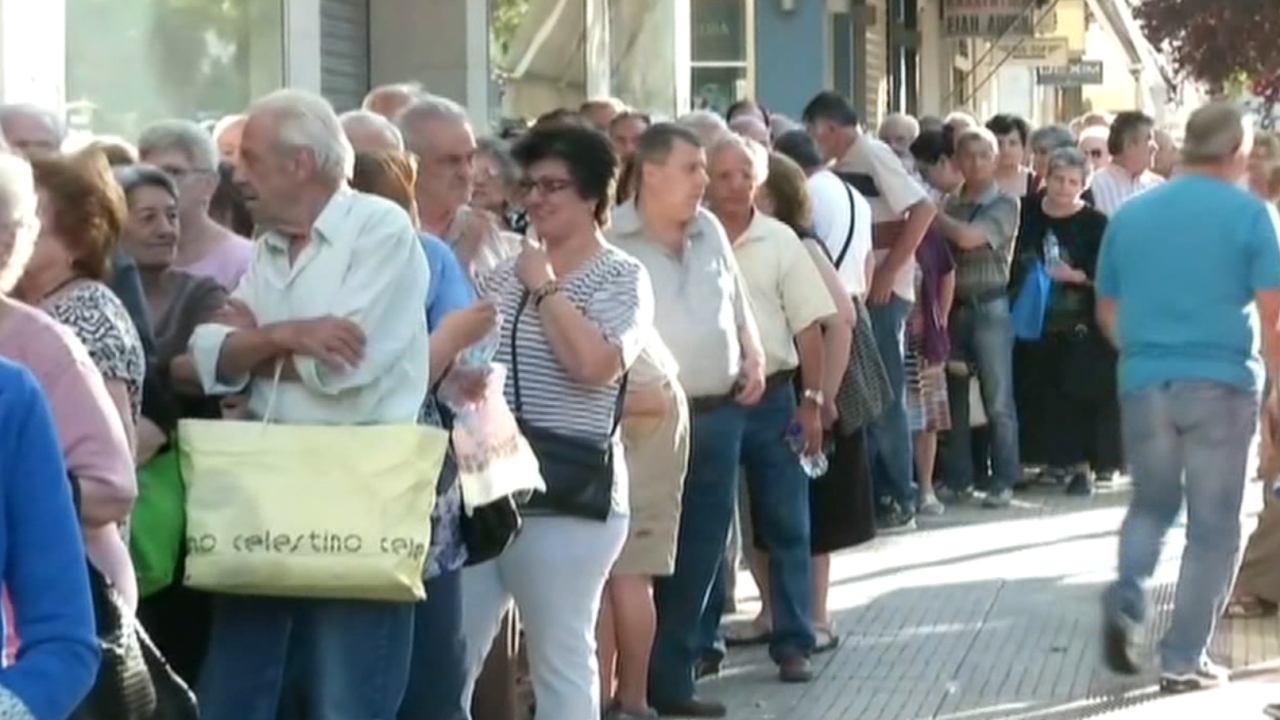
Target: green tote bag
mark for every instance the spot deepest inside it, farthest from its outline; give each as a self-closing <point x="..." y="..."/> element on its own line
<point x="158" y="523"/>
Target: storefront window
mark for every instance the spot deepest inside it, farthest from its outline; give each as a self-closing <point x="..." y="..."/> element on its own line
<point x="132" y="62"/>
<point x="644" y="54"/>
<point x="719" y="53"/>
<point x="538" y="55"/>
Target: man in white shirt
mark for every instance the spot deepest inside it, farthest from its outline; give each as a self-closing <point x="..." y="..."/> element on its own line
<point x="1133" y="148"/>
<point x="333" y="298"/>
<point x="901" y="212"/>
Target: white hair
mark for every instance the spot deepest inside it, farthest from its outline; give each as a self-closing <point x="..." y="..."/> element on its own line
<point x="709" y="126"/>
<point x="755" y="152"/>
<point x="412" y="89"/>
<point x="976" y="134"/>
<point x="307" y="121"/>
<point x="224" y="124"/>
<point x="892" y="119"/>
<point x="182" y="136"/>
<point x="51" y="119"/>
<point x="17" y="204"/>
<point x="430" y="107"/>
<point x="357" y="120"/>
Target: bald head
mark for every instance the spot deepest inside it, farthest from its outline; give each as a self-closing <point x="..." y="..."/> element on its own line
<point x="389" y="100"/>
<point x="370" y="132"/>
<point x="31" y="129"/>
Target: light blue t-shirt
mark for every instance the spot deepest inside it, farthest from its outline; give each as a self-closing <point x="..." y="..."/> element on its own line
<point x="451" y="288"/>
<point x="1183" y="262"/>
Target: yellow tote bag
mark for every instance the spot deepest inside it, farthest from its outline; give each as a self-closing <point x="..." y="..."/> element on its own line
<point x="309" y="511"/>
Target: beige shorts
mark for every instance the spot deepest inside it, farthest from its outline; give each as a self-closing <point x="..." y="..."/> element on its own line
<point x="657" y="453"/>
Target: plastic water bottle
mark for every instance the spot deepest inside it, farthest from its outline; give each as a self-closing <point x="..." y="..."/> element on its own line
<point x="814" y="465"/>
<point x="1052" y="250"/>
<point x="482" y="352"/>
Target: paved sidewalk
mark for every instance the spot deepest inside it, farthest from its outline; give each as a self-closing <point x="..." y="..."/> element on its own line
<point x="989" y="614"/>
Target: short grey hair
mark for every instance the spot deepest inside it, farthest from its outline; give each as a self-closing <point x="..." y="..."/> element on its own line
<point x="756" y="152"/>
<point x="307" y="121"/>
<point x="1069" y="158"/>
<point x="413" y="89"/>
<point x="709" y="126"/>
<point x="19" y="201"/>
<point x="182" y="136"/>
<point x="1052" y="137"/>
<point x="369" y="120"/>
<point x="500" y="151"/>
<point x="429" y="108"/>
<point x="55" y="122"/>
<point x="1215" y="133"/>
<point x="976" y="134"/>
<point x="900" y="118"/>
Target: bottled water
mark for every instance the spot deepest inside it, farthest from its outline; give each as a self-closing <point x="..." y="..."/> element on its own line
<point x="481" y="353"/>
<point x="814" y="465"/>
<point x="1052" y="250"/>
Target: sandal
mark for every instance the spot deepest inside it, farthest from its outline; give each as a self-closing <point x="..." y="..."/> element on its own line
<point x="1248" y="607"/>
<point x="827" y="640"/>
<point x="746" y="635"/>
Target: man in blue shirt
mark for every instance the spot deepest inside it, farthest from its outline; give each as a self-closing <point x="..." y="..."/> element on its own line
<point x="1189" y="288"/>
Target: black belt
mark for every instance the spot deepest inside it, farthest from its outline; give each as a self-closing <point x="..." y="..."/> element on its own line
<point x="782" y="377"/>
<point x="707" y="403"/>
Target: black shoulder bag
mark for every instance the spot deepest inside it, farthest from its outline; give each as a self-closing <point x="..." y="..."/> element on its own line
<point x="578" y="471"/>
<point x="853" y="223"/>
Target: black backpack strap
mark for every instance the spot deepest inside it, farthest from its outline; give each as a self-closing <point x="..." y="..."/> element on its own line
<point x="853" y="222"/>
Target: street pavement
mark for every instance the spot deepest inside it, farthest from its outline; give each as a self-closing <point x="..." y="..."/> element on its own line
<point x="986" y="614"/>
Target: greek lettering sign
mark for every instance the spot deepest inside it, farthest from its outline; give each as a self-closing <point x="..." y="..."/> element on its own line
<point x="988" y="18"/>
<point x="1075" y="74"/>
<point x="1034" y="51"/>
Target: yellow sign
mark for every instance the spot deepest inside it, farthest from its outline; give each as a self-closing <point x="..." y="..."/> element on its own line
<point x="1033" y="51"/>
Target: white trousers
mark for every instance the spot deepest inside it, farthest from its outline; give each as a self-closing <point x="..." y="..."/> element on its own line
<point x="555" y="572"/>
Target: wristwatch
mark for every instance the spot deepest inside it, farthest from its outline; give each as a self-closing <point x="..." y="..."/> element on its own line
<point x="817" y="396"/>
<point x="544" y="291"/>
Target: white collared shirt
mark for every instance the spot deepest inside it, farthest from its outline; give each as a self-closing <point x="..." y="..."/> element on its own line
<point x="1113" y="186"/>
<point x="363" y="263"/>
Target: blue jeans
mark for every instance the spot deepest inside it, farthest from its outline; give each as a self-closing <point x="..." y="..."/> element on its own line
<point x="982" y="336"/>
<point x="1187" y="438"/>
<point x="314" y="659"/>
<point x="437" y="668"/>
<point x="710" y="493"/>
<point x="889" y="436"/>
<point x="779" y="493"/>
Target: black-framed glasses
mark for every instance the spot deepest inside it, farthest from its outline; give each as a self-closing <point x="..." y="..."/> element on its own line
<point x="1095" y="153"/>
<point x="544" y="186"/>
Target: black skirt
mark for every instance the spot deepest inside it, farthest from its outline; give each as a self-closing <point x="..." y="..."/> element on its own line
<point x="842" y="509"/>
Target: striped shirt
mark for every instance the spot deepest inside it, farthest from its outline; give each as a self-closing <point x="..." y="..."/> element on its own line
<point x="612" y="291"/>
<point x="1113" y="186"/>
<point x="983" y="270"/>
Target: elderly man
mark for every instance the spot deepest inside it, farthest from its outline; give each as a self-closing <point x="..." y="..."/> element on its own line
<point x="32" y="129"/>
<point x="438" y="132"/>
<point x="752" y="128"/>
<point x="901" y="211"/>
<point x="187" y="153"/>
<point x="226" y="135"/>
<point x="389" y="100"/>
<point x="335" y="294"/>
<point x="703" y="317"/>
<point x="981" y="222"/>
<point x="1189" y="288"/>
<point x="370" y="132"/>
<point x="1132" y="146"/>
<point x="707" y="125"/>
<point x="601" y="112"/>
<point x="790" y="302"/>
<point x="898" y="131"/>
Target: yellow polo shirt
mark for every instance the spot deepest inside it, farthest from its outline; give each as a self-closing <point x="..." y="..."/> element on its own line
<point x="786" y="291"/>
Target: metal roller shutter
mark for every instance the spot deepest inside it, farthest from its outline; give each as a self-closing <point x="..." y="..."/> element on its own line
<point x="344" y="52"/>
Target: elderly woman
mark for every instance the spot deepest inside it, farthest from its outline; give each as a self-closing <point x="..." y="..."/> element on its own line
<point x="1066" y="396"/>
<point x="43" y="565"/>
<point x="496" y="177"/>
<point x="1013" y="134"/>
<point x="575" y="314"/>
<point x="81" y="216"/>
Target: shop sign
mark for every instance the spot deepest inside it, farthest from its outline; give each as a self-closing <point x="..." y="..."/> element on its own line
<point x="989" y="18"/>
<point x="1074" y="74"/>
<point x="719" y="31"/>
<point x="1034" y="51"/>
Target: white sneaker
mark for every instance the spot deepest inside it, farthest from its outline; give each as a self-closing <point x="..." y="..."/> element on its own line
<point x="929" y="505"/>
<point x="1208" y="676"/>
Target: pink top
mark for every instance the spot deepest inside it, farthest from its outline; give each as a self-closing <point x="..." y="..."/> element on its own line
<point x="227" y="262"/>
<point x="94" y="444"/>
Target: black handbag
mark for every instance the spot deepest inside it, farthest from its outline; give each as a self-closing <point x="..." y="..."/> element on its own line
<point x="134" y="682"/>
<point x="578" y="471"/>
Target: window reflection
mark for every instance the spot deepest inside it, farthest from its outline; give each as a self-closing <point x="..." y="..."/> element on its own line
<point x="130" y="62"/>
<point x="644" y="54"/>
<point x="538" y="55"/>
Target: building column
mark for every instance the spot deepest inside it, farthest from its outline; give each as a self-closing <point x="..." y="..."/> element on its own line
<point x="443" y="44"/>
<point x="302" y="44"/>
<point x="33" y="54"/>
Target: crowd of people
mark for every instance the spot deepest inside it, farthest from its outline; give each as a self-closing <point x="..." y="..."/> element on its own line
<point x="795" y="334"/>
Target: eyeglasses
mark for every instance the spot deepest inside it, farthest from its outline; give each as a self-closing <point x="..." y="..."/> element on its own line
<point x="544" y="186"/>
<point x="1095" y="153"/>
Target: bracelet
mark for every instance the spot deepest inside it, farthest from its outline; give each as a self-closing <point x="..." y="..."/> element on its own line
<point x="817" y="396"/>
<point x="544" y="291"/>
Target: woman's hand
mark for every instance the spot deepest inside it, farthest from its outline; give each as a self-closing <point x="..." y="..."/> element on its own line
<point x="830" y="413"/>
<point x="809" y="415"/>
<point x="1064" y="273"/>
<point x="236" y="314"/>
<point x="469" y="326"/>
<point x="534" y="266"/>
<point x="150" y="439"/>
